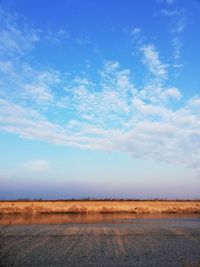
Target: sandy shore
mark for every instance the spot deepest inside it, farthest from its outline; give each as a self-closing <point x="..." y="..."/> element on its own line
<point x="151" y="207"/>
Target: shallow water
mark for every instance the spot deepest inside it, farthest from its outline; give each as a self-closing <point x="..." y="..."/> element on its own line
<point x="103" y="240"/>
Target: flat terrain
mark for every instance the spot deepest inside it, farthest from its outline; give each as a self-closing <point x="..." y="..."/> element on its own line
<point x="36" y="207"/>
<point x="113" y="242"/>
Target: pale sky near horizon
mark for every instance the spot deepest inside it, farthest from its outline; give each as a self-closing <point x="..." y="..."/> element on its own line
<point x="99" y="99"/>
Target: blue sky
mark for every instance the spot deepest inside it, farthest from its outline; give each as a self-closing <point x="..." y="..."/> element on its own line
<point x="99" y="99"/>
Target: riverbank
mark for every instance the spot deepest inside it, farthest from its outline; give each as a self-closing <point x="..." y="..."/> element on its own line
<point x="80" y="206"/>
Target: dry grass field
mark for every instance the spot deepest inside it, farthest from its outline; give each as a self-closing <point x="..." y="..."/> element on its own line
<point x="137" y="207"/>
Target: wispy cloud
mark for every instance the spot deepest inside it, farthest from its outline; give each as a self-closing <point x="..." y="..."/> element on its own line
<point x="56" y="36"/>
<point x="15" y="41"/>
<point x="178" y="22"/>
<point x="169" y="2"/>
<point x="38" y="165"/>
<point x="83" y="40"/>
<point x="152" y="60"/>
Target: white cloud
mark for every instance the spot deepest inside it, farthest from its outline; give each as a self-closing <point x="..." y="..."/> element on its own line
<point x="38" y="165"/>
<point x="62" y="32"/>
<point x="56" y="36"/>
<point x="142" y="130"/>
<point x="83" y="40"/>
<point x="17" y="75"/>
<point x="112" y="115"/>
<point x="26" y="82"/>
<point x="117" y="117"/>
<point x="176" y="43"/>
<point x="172" y="93"/>
<point x="39" y="92"/>
<point x="170" y="1"/>
<point x="152" y="60"/>
<point x="177" y="25"/>
<point x="15" y="41"/>
<point x="135" y="31"/>
<point x="178" y="19"/>
<point x="194" y="102"/>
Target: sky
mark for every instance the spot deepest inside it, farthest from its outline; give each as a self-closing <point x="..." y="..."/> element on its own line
<point x="99" y="99"/>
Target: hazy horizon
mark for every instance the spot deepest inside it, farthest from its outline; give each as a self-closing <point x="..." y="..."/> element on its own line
<point x="99" y="99"/>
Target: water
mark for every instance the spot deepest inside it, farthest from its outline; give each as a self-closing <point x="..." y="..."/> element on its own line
<point x="102" y="240"/>
<point x="93" y="218"/>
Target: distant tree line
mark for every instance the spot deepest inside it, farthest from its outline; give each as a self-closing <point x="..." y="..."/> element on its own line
<point x="101" y="199"/>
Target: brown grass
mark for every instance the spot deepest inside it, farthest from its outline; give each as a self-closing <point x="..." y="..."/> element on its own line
<point x="90" y="206"/>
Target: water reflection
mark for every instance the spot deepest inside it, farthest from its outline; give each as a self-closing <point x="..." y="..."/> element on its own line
<point x="83" y="218"/>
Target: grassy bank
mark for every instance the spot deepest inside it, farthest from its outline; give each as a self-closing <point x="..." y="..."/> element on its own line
<point x="78" y="206"/>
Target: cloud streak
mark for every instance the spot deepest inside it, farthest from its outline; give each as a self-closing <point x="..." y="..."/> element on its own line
<point x="178" y="22"/>
<point x="38" y="165"/>
<point x="15" y="41"/>
<point x="151" y="59"/>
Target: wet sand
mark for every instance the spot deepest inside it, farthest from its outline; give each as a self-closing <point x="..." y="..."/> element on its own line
<point x="118" y="240"/>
